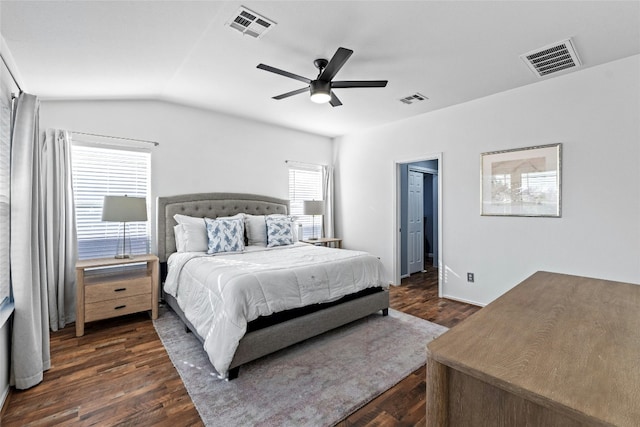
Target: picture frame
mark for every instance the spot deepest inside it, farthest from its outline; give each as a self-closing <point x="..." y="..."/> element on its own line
<point x="522" y="182"/>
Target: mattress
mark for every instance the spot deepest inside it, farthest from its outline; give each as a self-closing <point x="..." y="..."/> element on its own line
<point x="220" y="294"/>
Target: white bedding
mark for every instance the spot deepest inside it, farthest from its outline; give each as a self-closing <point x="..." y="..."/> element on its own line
<point x="220" y="294"/>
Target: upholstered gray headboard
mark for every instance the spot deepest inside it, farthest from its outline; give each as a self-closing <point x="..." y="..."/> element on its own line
<point x="210" y="205"/>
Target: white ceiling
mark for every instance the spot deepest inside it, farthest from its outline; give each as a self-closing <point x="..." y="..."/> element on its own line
<point x="183" y="51"/>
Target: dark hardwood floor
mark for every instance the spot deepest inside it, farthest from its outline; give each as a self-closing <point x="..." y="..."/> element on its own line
<point x="118" y="373"/>
<point x="405" y="404"/>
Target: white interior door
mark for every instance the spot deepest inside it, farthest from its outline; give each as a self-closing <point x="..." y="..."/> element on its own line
<point x="415" y="234"/>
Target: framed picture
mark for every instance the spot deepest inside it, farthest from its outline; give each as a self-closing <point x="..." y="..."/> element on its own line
<point x="522" y="182"/>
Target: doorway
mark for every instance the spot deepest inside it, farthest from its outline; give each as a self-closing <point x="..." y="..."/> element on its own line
<point x="418" y="212"/>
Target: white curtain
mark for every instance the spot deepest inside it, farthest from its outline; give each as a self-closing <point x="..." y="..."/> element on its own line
<point x="59" y="228"/>
<point x="30" y="332"/>
<point x="327" y="192"/>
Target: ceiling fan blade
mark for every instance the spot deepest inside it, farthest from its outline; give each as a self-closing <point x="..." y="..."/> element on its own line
<point x="358" y="83"/>
<point x="334" y="65"/>
<point x="284" y="73"/>
<point x="293" y="92"/>
<point x="335" y="102"/>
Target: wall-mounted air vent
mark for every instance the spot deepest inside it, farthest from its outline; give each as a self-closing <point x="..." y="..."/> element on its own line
<point x="250" y="23"/>
<point x="552" y="59"/>
<point x="412" y="99"/>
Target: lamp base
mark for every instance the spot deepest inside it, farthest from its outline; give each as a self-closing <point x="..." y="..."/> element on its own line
<point x="312" y="238"/>
<point x="125" y="256"/>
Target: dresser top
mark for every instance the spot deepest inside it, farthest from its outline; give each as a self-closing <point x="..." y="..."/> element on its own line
<point x="566" y="342"/>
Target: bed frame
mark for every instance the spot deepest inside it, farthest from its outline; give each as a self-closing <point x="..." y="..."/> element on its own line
<point x="272" y="338"/>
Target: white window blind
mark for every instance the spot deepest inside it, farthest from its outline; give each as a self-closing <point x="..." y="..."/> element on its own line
<point x="99" y="172"/>
<point x="305" y="183"/>
<point x="5" y="191"/>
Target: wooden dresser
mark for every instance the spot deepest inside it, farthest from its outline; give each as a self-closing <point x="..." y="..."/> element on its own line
<point x="110" y="287"/>
<point x="556" y="350"/>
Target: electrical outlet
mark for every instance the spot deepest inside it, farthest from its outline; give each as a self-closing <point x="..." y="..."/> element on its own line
<point x="470" y="277"/>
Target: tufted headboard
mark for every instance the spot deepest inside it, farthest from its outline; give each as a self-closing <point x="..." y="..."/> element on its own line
<point x="210" y="205"/>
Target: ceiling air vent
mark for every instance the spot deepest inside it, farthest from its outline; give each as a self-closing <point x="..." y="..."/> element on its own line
<point x="250" y="23"/>
<point x="411" y="99"/>
<point x="552" y="59"/>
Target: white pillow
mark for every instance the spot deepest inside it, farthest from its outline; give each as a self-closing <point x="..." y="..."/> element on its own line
<point x="190" y="238"/>
<point x="186" y="219"/>
<point x="256" y="228"/>
<point x="225" y="235"/>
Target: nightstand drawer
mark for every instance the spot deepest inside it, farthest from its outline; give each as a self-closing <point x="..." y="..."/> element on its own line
<point x="117" y="307"/>
<point x="118" y="289"/>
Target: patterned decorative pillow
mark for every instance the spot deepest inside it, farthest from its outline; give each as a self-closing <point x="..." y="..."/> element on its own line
<point x="225" y="235"/>
<point x="279" y="231"/>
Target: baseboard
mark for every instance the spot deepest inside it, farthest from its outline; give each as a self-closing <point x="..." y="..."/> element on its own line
<point x="466" y="301"/>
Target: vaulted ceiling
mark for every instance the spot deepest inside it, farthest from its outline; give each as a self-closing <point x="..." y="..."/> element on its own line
<point x="185" y="52"/>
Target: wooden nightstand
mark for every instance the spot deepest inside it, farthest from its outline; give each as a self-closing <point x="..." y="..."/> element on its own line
<point x="112" y="292"/>
<point x="325" y="241"/>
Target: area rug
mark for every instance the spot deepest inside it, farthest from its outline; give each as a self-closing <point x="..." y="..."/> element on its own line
<point x="315" y="383"/>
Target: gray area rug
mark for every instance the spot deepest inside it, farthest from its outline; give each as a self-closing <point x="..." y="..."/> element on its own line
<point x="315" y="383"/>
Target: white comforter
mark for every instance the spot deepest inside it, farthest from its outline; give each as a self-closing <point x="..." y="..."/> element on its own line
<point x="220" y="294"/>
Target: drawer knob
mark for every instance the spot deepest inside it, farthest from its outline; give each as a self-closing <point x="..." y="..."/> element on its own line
<point x="120" y="289"/>
<point x="119" y="307"/>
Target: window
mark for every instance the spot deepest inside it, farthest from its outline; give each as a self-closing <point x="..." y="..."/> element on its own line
<point x="99" y="172"/>
<point x="5" y="192"/>
<point x="305" y="183"/>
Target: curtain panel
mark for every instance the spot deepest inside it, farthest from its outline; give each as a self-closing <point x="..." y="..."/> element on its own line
<point x="328" y="192"/>
<point x="43" y="241"/>
<point x="59" y="227"/>
<point x="30" y="331"/>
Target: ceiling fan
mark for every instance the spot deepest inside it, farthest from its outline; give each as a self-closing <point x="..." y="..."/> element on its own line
<point x="321" y="88"/>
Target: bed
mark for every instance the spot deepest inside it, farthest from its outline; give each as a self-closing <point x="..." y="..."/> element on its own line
<point x="280" y="326"/>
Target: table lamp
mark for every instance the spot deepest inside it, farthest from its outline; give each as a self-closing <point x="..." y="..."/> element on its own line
<point x="124" y="209"/>
<point x="314" y="207"/>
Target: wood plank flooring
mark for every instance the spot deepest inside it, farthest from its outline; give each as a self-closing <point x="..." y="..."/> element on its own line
<point x="405" y="404"/>
<point x="118" y="373"/>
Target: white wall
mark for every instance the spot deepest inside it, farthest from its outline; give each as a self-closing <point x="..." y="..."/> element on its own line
<point x="594" y="112"/>
<point x="200" y="150"/>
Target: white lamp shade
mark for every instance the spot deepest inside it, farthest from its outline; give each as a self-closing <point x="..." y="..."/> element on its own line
<point x="124" y="209"/>
<point x="313" y="207"/>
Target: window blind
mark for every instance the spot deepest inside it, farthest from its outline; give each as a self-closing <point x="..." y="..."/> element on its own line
<point x="99" y="172"/>
<point x="305" y="183"/>
<point x="5" y="191"/>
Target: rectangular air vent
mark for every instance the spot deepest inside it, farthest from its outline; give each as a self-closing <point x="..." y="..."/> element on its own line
<point x="250" y="23"/>
<point x="411" y="99"/>
<point x="552" y="59"/>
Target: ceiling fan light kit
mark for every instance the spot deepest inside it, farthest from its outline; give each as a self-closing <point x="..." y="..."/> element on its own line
<point x="321" y="89"/>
